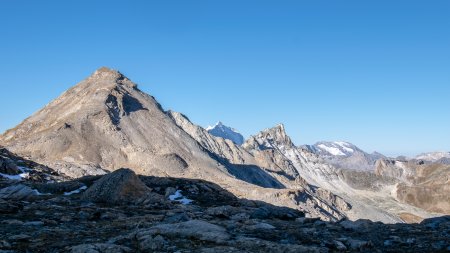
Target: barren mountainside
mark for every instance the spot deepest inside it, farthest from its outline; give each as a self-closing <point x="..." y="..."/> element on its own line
<point x="105" y="123"/>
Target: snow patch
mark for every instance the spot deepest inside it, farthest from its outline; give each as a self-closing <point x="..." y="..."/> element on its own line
<point x="331" y="150"/>
<point x="18" y="177"/>
<point x="345" y="146"/>
<point x="40" y="194"/>
<point x="178" y="197"/>
<point x="82" y="188"/>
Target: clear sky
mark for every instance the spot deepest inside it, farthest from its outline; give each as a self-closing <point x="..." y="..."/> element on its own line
<point x="375" y="73"/>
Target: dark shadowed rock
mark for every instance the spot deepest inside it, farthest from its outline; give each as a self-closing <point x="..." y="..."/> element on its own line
<point x="17" y="192"/>
<point x="8" y="166"/>
<point x="99" y="248"/>
<point x="119" y="187"/>
<point x="194" y="229"/>
<point x="7" y="207"/>
<point x="276" y="212"/>
<point x="436" y="222"/>
<point x="58" y="188"/>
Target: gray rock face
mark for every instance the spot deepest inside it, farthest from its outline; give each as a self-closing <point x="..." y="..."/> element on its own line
<point x="119" y="187"/>
<point x="269" y="138"/>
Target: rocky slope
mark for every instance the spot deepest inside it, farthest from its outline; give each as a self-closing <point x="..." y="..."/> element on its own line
<point x="105" y="122"/>
<point x="157" y="218"/>
<point x="268" y="169"/>
<point x="371" y="195"/>
<point x="420" y="184"/>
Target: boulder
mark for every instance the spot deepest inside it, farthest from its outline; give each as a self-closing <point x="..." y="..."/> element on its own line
<point x="119" y="187"/>
<point x="18" y="192"/>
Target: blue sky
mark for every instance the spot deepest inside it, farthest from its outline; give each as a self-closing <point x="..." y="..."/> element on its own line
<point x="375" y="73"/>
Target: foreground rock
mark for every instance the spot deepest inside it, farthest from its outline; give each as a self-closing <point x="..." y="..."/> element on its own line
<point x="215" y="221"/>
<point x="18" y="192"/>
<point x="120" y="187"/>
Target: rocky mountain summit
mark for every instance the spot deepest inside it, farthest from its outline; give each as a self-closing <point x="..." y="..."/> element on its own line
<point x="188" y="189"/>
<point x="220" y="130"/>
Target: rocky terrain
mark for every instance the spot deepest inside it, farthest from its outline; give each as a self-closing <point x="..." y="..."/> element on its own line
<point x="269" y="170"/>
<point x="190" y="189"/>
<point x="426" y="185"/>
<point x="121" y="212"/>
<point x="105" y="123"/>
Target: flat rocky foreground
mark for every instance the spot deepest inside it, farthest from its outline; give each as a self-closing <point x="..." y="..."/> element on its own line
<point x="121" y="212"/>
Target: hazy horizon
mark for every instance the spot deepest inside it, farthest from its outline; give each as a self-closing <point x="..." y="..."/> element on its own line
<point x="373" y="74"/>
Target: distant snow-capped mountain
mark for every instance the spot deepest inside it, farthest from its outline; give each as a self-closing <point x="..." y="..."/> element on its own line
<point x="337" y="148"/>
<point x="435" y="157"/>
<point x="345" y="155"/>
<point x="220" y="130"/>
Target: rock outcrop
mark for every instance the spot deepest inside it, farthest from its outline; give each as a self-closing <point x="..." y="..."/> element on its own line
<point x="120" y="187"/>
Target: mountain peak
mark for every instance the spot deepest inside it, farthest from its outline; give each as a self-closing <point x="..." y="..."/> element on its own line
<point x="108" y="77"/>
<point x="271" y="136"/>
<point x="221" y="130"/>
<point x="218" y="124"/>
<point x="281" y="128"/>
<point x="105" y="72"/>
<point x="278" y="134"/>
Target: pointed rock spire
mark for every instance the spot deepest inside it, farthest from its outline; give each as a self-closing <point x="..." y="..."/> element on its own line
<point x="269" y="137"/>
